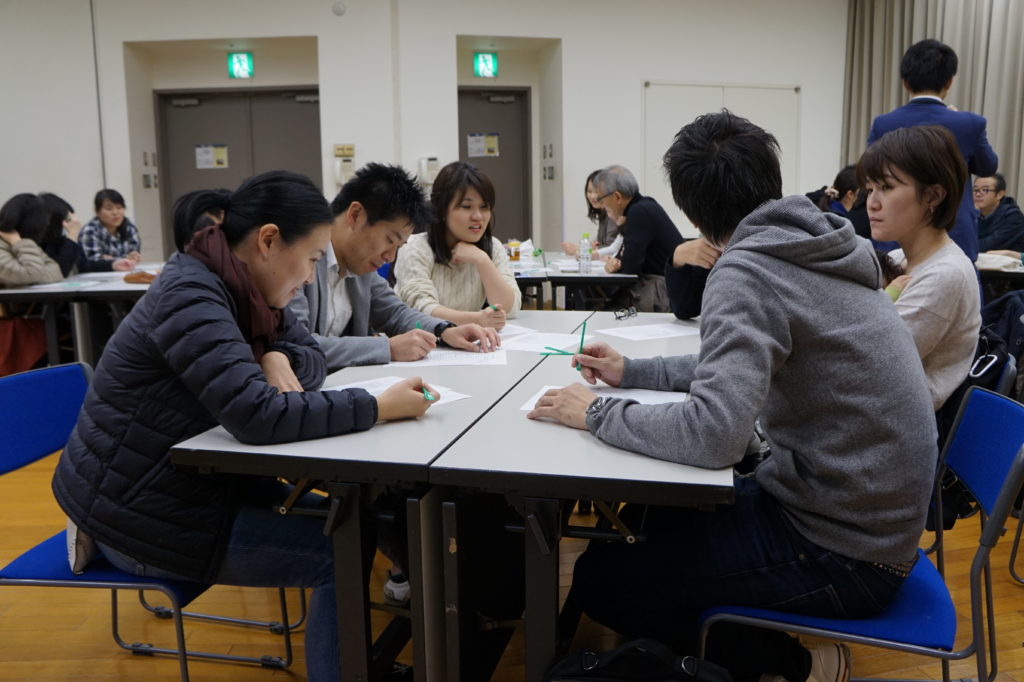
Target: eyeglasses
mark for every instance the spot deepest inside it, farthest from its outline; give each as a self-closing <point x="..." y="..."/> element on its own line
<point x="625" y="313"/>
<point x="982" y="190"/>
<point x="603" y="197"/>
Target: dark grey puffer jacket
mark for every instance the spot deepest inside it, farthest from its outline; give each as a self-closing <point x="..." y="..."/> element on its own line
<point x="177" y="366"/>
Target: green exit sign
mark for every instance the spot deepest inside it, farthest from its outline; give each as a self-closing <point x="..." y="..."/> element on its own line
<point x="240" y="65"/>
<point x="485" y="64"/>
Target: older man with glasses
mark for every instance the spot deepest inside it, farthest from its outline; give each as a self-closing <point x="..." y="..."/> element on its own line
<point x="1001" y="224"/>
<point x="649" y="239"/>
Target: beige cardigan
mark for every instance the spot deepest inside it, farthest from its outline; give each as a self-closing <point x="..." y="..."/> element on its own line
<point x="25" y="263"/>
<point x="425" y="285"/>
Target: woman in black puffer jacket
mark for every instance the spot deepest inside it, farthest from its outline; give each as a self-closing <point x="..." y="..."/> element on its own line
<point x="212" y="342"/>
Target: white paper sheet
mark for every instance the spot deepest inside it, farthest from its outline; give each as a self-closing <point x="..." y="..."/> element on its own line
<point x="645" y="332"/>
<point x="444" y="357"/>
<point x="377" y="386"/>
<point x="536" y="342"/>
<point x="510" y="330"/>
<point x="644" y="396"/>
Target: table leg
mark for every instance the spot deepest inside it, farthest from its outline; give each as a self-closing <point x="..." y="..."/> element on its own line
<point x="455" y="622"/>
<point x="542" y="534"/>
<point x="52" y="341"/>
<point x="344" y="525"/>
<point x="82" y="332"/>
<point x="425" y="574"/>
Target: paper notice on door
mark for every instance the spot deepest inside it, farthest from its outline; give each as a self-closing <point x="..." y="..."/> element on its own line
<point x="211" y="156"/>
<point x="482" y="144"/>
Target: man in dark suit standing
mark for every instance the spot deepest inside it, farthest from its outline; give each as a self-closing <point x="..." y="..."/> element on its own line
<point x="927" y="70"/>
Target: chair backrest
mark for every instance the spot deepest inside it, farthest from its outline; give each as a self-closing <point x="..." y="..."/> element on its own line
<point x="38" y="409"/>
<point x="1008" y="379"/>
<point x="985" y="446"/>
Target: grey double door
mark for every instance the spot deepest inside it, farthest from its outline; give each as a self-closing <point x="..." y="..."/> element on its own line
<point x="212" y="140"/>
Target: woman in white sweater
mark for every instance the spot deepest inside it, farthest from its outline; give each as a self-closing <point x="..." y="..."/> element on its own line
<point x="914" y="178"/>
<point x="456" y="270"/>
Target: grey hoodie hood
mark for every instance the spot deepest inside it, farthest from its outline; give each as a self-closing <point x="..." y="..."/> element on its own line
<point x="794" y="230"/>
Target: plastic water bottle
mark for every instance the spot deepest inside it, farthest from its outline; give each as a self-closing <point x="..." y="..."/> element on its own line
<point x="585" y="254"/>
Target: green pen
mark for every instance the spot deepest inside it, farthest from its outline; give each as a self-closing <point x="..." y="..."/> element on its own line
<point x="419" y="325"/>
<point x="426" y="394"/>
<point x="583" y="334"/>
<point x="492" y="307"/>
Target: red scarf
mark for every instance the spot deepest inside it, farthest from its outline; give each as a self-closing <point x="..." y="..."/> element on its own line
<point x="260" y="324"/>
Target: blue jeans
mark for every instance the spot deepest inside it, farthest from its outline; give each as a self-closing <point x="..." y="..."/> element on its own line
<point x="745" y="554"/>
<point x="266" y="549"/>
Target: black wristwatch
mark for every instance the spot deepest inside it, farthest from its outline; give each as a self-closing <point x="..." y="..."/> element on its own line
<point x="594" y="408"/>
<point x="440" y="329"/>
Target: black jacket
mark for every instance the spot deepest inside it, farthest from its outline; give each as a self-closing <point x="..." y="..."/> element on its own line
<point x="685" y="286"/>
<point x="177" y="366"/>
<point x="69" y="255"/>
<point x="649" y="237"/>
<point x="1003" y="228"/>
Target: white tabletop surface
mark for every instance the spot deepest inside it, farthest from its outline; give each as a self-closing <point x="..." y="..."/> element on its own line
<point x="87" y="284"/>
<point x="506" y="451"/>
<point x="405" y="443"/>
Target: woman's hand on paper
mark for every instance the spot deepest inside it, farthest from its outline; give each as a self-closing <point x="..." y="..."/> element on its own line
<point x="492" y="317"/>
<point x="405" y="400"/>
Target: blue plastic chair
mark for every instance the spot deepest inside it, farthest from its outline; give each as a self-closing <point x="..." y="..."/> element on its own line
<point x="38" y="410"/>
<point x="986" y="451"/>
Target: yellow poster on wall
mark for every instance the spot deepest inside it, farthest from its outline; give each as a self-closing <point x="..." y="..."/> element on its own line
<point x="211" y="156"/>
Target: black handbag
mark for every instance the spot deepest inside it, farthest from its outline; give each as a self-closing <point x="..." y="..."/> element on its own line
<point x="641" y="659"/>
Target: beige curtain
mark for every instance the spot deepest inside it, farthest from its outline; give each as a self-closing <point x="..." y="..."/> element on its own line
<point x="988" y="36"/>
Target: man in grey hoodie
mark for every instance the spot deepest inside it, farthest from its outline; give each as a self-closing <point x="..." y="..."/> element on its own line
<point x="794" y="331"/>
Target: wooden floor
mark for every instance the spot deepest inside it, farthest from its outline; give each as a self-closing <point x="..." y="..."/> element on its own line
<point x="49" y="634"/>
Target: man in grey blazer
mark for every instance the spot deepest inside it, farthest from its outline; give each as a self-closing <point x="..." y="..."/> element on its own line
<point x="351" y="311"/>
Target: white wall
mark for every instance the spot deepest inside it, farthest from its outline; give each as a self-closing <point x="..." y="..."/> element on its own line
<point x="49" y="126"/>
<point x="610" y="49"/>
<point x="388" y="80"/>
<point x="548" y="232"/>
<point x="517" y="68"/>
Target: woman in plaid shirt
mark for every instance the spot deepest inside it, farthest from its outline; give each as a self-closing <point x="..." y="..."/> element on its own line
<point x="110" y="235"/>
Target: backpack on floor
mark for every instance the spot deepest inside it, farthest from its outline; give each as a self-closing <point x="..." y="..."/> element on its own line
<point x="641" y="659"/>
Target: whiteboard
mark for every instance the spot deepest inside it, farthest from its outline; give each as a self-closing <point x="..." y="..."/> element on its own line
<point x="669" y="106"/>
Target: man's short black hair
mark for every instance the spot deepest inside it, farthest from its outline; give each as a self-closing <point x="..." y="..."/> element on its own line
<point x="721" y="167"/>
<point x="386" y="192"/>
<point x="928" y="66"/>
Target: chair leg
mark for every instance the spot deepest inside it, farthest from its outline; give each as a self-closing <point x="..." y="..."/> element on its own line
<point x="140" y="649"/>
<point x="277" y="627"/>
<point x="183" y="653"/>
<point x="1013" y="552"/>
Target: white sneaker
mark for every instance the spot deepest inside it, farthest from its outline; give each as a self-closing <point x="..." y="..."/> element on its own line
<point x="396" y="591"/>
<point x="830" y="663"/>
